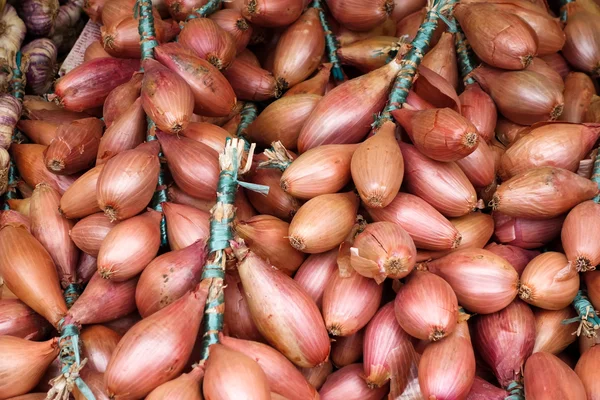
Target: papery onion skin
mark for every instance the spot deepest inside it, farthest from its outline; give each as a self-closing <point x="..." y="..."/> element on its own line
<point x="542" y="193"/>
<point x="316" y="376"/>
<point x="121" y="98"/>
<point x="99" y="342"/>
<point x="578" y="233"/>
<point x="314" y="273"/>
<point x="79" y="200"/>
<point x="579" y="89"/>
<point x="194" y="165"/>
<point x="88" y="85"/>
<point x="185" y="225"/>
<point x="428" y="228"/>
<point x="483" y="390"/>
<point x="130" y="246"/>
<point x="426" y="307"/>
<point x="440" y="133"/>
<point x="581" y="46"/>
<point x="89" y="232"/>
<point x="483" y="282"/>
<point x="592" y="282"/>
<point x="266" y="235"/>
<point x="29" y="160"/>
<point x="249" y="81"/>
<point x="378" y="167"/>
<point x="349" y="303"/>
<point x="166" y="97"/>
<point x="283" y="377"/>
<point x="209" y="41"/>
<point x="321" y="170"/>
<point x="315" y="85"/>
<point x="294" y="110"/>
<point x="347" y="383"/>
<point x="524" y="97"/>
<point x="211" y="135"/>
<point x="383" y="249"/>
<point x="39" y="131"/>
<point x="345" y="114"/>
<point x="52" y="230"/>
<point x="347" y="349"/>
<point x="526" y="233"/>
<point x="552" y="145"/>
<point x="293" y="323"/>
<point x="238" y="321"/>
<point x="186" y="386"/>
<point x="213" y="95"/>
<point x="500" y="39"/>
<point x="382" y="335"/>
<point x="127" y="182"/>
<point x="505" y="339"/>
<point x="360" y="16"/>
<point x="168" y="277"/>
<point x="452" y="195"/>
<point x="299" y="50"/>
<point x="174" y="328"/>
<point x="546" y="376"/>
<point x="587" y="369"/>
<point x="479" y="166"/>
<point x="29" y="272"/>
<point x="17" y="319"/>
<point x="516" y="256"/>
<point x="368" y="54"/>
<point x="552" y="336"/>
<point x="23" y="364"/>
<point x="549" y="281"/>
<point x="127" y="132"/>
<point x="323" y="222"/>
<point x="269" y="13"/>
<point x="103" y="301"/>
<point x="233" y="375"/>
<point x="447" y="367"/>
<point x="479" y="108"/>
<point x="236" y="25"/>
<point x="42" y="64"/>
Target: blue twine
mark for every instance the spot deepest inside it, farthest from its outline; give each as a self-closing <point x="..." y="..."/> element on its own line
<point x="516" y="391"/>
<point x="143" y="10"/>
<point x="18" y="91"/>
<point x="586" y="315"/>
<point x="71" y="294"/>
<point x="70" y="355"/>
<point x="331" y="43"/>
<point x="248" y="115"/>
<point x="596" y="175"/>
<point x="411" y="61"/>
<point x="464" y="54"/>
<point x="212" y="323"/>
<point x="213" y="271"/>
<point x="209" y="8"/>
<point x="563" y="9"/>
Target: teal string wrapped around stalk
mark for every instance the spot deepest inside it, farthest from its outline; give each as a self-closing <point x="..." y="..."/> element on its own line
<point x="222" y="216"/>
<point x="563" y="10"/>
<point x="143" y="10"/>
<point x="515" y="390"/>
<point x="71" y="364"/>
<point x="209" y="8"/>
<point x="18" y="92"/>
<point x="411" y="60"/>
<point x="596" y="175"/>
<point x="248" y="115"/>
<point x="71" y="294"/>
<point x="331" y="42"/>
<point x="464" y="53"/>
<point x="588" y="319"/>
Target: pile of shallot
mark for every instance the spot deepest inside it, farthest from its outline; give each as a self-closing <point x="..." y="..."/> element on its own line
<point x="431" y="228"/>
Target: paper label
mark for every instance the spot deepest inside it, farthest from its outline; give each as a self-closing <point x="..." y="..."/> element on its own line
<point x="90" y="34"/>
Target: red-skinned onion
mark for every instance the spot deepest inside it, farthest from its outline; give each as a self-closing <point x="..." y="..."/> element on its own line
<point x="546" y="376"/>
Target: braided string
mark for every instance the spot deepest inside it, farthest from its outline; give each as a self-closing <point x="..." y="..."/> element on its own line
<point x="222" y="216"/>
<point x="18" y="92"/>
<point x="411" y="60"/>
<point x="464" y="54"/>
<point x="143" y="10"/>
<point x="515" y="390"/>
<point x="209" y="8"/>
<point x="331" y="43"/>
<point x="71" y="364"/>
<point x="588" y="319"/>
<point x="248" y="115"/>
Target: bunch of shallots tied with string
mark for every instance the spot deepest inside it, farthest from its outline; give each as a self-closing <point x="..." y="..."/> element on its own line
<point x="419" y="221"/>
